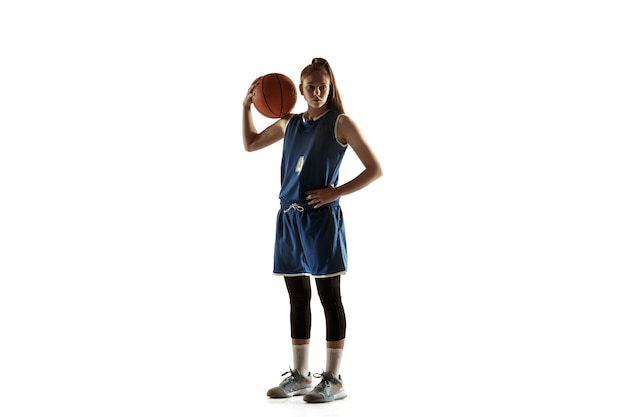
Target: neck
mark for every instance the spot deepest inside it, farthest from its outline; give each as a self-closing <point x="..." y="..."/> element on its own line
<point x="313" y="114"/>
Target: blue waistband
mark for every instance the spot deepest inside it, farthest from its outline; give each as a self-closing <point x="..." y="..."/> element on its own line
<point x="288" y="205"/>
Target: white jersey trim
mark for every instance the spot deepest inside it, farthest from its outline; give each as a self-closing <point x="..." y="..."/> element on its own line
<point x="343" y="145"/>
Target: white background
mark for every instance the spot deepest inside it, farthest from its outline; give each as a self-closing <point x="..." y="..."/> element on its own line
<point x="136" y="235"/>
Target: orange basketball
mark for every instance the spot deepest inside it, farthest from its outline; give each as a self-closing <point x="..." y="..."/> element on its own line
<point x="274" y="95"/>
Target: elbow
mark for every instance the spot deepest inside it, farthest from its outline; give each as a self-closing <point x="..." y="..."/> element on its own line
<point x="248" y="144"/>
<point x="373" y="172"/>
<point x="249" y="147"/>
<point x="378" y="171"/>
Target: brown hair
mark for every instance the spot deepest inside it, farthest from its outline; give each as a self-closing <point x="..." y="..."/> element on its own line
<point x="320" y="64"/>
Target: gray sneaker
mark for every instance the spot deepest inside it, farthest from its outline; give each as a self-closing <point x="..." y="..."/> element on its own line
<point x="294" y="384"/>
<point x="329" y="389"/>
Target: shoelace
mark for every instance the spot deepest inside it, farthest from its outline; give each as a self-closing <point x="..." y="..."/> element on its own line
<point x="294" y="206"/>
<point x="291" y="370"/>
<point x="293" y="375"/>
<point x="327" y="378"/>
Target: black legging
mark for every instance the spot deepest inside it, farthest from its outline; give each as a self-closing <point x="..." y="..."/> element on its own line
<point x="329" y="291"/>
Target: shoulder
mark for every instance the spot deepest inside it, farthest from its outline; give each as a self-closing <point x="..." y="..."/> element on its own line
<point x="284" y="121"/>
<point x="290" y="116"/>
<point x="346" y="129"/>
<point x="343" y="119"/>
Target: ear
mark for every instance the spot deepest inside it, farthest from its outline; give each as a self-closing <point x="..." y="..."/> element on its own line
<point x="301" y="90"/>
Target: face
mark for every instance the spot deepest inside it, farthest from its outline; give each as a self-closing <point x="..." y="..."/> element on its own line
<point x="315" y="88"/>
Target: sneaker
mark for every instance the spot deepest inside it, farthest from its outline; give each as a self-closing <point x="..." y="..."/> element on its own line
<point x="294" y="384"/>
<point x="329" y="389"/>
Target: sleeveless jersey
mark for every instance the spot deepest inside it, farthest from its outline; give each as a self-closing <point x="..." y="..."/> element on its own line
<point x="311" y="156"/>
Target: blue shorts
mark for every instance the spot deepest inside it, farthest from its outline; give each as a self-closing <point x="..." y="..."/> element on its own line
<point x="310" y="241"/>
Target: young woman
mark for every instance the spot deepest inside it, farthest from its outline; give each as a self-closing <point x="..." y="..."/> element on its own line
<point x="310" y="233"/>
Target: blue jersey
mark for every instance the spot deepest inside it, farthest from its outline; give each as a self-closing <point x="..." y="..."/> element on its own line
<point x="310" y="241"/>
<point x="312" y="156"/>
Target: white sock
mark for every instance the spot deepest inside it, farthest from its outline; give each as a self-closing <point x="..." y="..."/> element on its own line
<point x="333" y="361"/>
<point x="301" y="358"/>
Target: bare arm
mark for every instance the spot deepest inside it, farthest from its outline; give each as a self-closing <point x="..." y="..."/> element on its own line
<point x="253" y="140"/>
<point x="349" y="133"/>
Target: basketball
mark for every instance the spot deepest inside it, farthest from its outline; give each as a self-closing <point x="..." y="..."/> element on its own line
<point x="274" y="95"/>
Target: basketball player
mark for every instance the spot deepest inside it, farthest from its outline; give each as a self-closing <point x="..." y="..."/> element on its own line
<point x="310" y="234"/>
